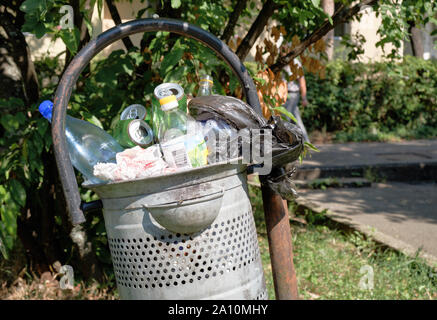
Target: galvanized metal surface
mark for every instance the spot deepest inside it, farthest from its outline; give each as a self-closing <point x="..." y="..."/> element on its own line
<point x="220" y="261"/>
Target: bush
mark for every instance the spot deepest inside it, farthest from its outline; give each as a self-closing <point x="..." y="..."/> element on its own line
<point x="374" y="101"/>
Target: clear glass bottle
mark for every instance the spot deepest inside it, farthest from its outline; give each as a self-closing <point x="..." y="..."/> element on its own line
<point x="180" y="137"/>
<point x="205" y="86"/>
<point x="87" y="144"/>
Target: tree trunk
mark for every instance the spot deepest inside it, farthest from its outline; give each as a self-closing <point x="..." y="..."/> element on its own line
<point x="15" y="47"/>
<point x="257" y="27"/>
<point x="416" y="40"/>
<point x="329" y="8"/>
<point x="117" y="20"/>
<point x="229" y="29"/>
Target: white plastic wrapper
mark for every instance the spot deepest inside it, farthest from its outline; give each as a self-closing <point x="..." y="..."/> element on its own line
<point x="133" y="163"/>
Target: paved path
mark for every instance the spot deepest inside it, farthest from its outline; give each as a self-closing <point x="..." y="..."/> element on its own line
<point x="402" y="215"/>
<point x="405" y="215"/>
<point x="348" y="154"/>
<point x="401" y="161"/>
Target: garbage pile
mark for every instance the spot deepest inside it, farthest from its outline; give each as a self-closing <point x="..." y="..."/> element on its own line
<point x="177" y="135"/>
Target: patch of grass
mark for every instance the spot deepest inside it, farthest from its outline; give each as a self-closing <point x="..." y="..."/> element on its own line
<point x="338" y="264"/>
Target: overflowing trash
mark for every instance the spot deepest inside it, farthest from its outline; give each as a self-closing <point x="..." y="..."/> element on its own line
<point x="133" y="163"/>
<point x="180" y="132"/>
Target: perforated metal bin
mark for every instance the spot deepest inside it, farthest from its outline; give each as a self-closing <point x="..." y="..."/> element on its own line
<point x="211" y="254"/>
<point x="220" y="260"/>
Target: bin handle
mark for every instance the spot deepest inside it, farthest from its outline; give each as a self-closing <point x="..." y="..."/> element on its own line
<point x="81" y="60"/>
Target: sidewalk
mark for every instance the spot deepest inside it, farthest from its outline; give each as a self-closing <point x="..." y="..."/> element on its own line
<point x="402" y="215"/>
<point x="397" y="161"/>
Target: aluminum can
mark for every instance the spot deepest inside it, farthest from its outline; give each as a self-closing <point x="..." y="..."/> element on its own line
<point x="133" y="132"/>
<point x="168" y="89"/>
<point x="134" y="111"/>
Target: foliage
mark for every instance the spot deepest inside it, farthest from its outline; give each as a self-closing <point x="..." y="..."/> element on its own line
<point x="396" y="15"/>
<point x="374" y="98"/>
<point x="21" y="166"/>
<point x="44" y="17"/>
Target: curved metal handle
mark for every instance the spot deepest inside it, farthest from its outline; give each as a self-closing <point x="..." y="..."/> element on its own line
<point x="71" y="74"/>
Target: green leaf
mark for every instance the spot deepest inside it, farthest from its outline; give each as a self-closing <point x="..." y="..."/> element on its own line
<point x="40" y="30"/>
<point x="3" y="243"/>
<point x="71" y="39"/>
<point x="285" y="112"/>
<point x="88" y="24"/>
<point x="9" y="218"/>
<point x="30" y="5"/>
<point x="12" y="123"/>
<point x="233" y="83"/>
<point x="170" y="60"/>
<point x="92" y="118"/>
<point x="18" y="192"/>
<point x="175" y="4"/>
<point x="311" y="146"/>
<point x="316" y="3"/>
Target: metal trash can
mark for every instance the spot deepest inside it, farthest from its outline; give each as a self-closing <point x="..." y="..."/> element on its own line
<point x="185" y="235"/>
<point x="217" y="259"/>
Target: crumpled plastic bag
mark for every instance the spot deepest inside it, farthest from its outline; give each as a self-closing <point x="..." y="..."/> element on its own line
<point x="133" y="163"/>
<point x="289" y="142"/>
<point x="287" y="137"/>
<point x="235" y="112"/>
<point x="284" y="185"/>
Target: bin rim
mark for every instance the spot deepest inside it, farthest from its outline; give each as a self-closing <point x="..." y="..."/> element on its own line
<point x="241" y="167"/>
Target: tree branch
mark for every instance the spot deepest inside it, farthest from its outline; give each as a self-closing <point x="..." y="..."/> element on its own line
<point x="117" y="20"/>
<point x="415" y="39"/>
<point x="21" y="54"/>
<point x="229" y="29"/>
<point x="257" y="27"/>
<point x="343" y="14"/>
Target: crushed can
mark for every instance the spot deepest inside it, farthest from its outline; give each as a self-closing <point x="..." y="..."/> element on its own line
<point x="134" y="111"/>
<point x="133" y="132"/>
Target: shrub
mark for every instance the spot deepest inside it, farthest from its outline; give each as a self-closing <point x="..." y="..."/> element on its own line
<point x="374" y="99"/>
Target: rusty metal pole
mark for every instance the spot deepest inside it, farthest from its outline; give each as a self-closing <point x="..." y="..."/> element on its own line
<point x="280" y="244"/>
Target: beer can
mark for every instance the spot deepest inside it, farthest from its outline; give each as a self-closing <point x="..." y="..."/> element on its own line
<point x="168" y="89"/>
<point x="133" y="132"/>
<point x="134" y="111"/>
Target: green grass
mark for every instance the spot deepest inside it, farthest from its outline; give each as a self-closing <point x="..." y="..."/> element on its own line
<point x="328" y="262"/>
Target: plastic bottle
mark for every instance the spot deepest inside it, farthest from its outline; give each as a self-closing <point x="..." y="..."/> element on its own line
<point x="180" y="137"/>
<point x="87" y="144"/>
<point x="205" y="86"/>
